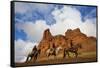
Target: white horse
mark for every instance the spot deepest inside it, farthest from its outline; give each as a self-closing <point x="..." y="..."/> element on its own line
<point x="58" y="49"/>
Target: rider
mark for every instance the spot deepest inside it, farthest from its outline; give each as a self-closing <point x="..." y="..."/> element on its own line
<point x="34" y="49"/>
<point x="54" y="47"/>
<point x="71" y="44"/>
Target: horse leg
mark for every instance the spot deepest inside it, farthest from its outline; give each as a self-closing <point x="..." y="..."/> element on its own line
<point x="54" y="55"/>
<point x="48" y="55"/>
<point x="35" y="58"/>
<point x="64" y="55"/>
<point x="31" y="58"/>
<point x="27" y="58"/>
<point x="68" y="54"/>
<point x="76" y="54"/>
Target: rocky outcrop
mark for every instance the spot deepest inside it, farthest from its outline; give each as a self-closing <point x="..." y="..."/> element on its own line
<point x="88" y="43"/>
<point x="75" y="35"/>
<point x="47" y="35"/>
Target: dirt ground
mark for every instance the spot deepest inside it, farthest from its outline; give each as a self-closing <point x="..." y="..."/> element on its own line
<point x="84" y="57"/>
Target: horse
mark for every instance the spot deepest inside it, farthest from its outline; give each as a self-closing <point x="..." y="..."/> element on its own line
<point x="33" y="55"/>
<point x="58" y="49"/>
<point x="73" y="49"/>
<point x="52" y="51"/>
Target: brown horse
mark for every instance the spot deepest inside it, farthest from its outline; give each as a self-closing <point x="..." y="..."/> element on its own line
<point x="33" y="55"/>
<point x="73" y="49"/>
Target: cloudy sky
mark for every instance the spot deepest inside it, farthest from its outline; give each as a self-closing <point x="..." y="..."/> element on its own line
<point x="31" y="19"/>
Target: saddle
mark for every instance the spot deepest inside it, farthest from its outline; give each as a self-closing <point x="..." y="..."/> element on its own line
<point x="72" y="49"/>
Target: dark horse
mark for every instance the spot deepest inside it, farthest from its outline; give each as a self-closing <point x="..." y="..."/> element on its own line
<point x="73" y="49"/>
<point x="33" y="55"/>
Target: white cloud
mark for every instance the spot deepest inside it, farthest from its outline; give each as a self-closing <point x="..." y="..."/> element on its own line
<point x="67" y="17"/>
<point x="34" y="31"/>
<point x="67" y="12"/>
<point x="89" y="27"/>
<point x="22" y="49"/>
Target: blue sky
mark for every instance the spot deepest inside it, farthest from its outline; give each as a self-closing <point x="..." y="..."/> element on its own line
<point x="31" y="14"/>
<point x="31" y="19"/>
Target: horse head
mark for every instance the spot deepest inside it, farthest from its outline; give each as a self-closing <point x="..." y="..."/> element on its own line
<point x="59" y="48"/>
<point x="80" y="46"/>
<point x="39" y="51"/>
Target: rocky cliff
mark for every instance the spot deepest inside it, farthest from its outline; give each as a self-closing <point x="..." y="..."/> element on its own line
<point x="88" y="43"/>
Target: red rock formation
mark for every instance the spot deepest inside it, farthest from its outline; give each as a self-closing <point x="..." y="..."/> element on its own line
<point x="88" y="43"/>
<point x="47" y="35"/>
<point x="46" y="41"/>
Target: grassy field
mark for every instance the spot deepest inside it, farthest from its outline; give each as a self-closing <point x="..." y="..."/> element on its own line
<point x="83" y="57"/>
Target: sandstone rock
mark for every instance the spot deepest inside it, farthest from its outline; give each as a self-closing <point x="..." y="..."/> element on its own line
<point x="77" y="37"/>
